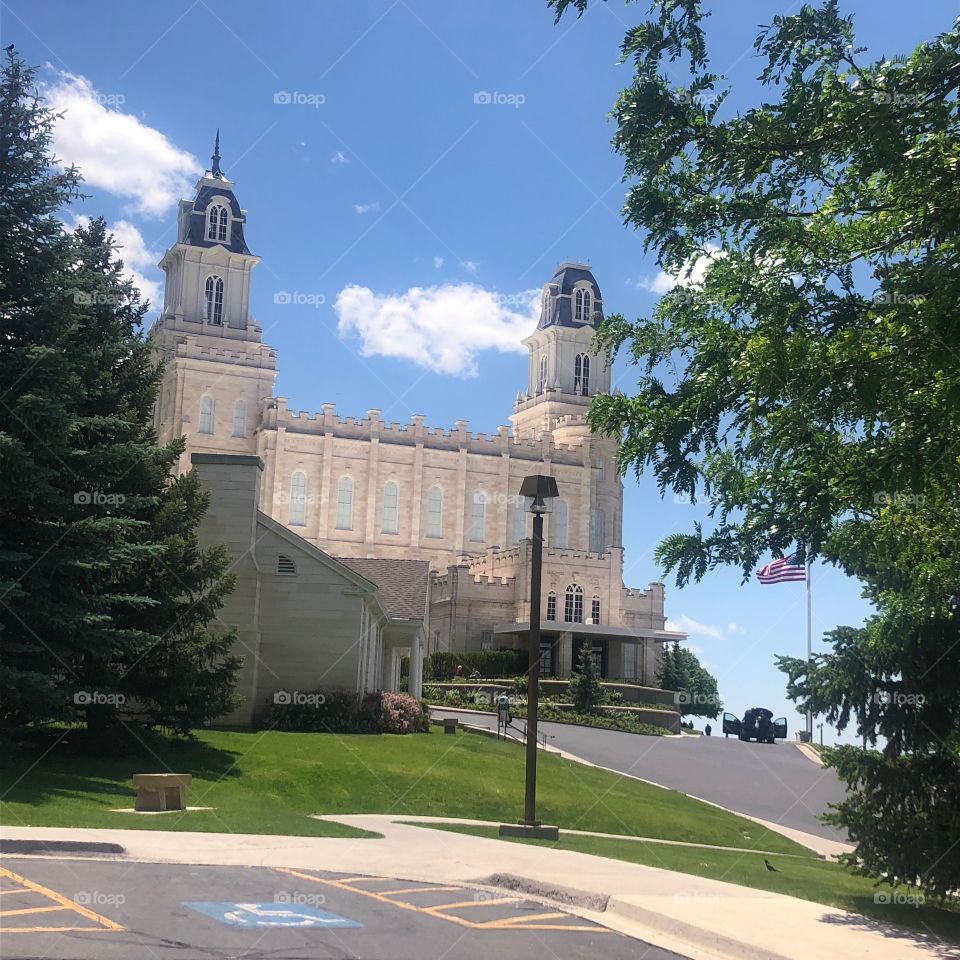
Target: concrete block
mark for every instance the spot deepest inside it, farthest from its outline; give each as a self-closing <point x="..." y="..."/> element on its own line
<point x="539" y="831"/>
<point x="161" y="791"/>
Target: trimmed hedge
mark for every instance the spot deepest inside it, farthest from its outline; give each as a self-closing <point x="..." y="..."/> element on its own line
<point x="338" y="711"/>
<point x="442" y="664"/>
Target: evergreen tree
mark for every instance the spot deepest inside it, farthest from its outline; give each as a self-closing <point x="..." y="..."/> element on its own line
<point x="585" y="688"/>
<point x="696" y="688"/>
<point x="104" y="593"/>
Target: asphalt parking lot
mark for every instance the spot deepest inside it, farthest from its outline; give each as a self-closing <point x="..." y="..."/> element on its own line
<point x="110" y="909"/>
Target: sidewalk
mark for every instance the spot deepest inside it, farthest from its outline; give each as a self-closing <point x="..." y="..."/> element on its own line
<point x="697" y="918"/>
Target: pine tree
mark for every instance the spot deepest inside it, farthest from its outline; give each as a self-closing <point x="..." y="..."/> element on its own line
<point x="585" y="688"/>
<point x="104" y="592"/>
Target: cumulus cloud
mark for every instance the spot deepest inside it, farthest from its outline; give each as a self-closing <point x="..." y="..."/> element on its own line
<point x="139" y="260"/>
<point x="688" y="625"/>
<point x="362" y="208"/>
<point x="437" y="263"/>
<point x="115" y="151"/>
<point x="442" y="328"/>
<point x="691" y="274"/>
<point x="339" y="157"/>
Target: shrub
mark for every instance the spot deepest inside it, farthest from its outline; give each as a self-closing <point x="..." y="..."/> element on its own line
<point x="401" y="713"/>
<point x="339" y="711"/>
<point x="442" y="664"/>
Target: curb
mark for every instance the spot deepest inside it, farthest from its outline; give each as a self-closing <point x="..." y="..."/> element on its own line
<point x="809" y="753"/>
<point x="54" y="847"/>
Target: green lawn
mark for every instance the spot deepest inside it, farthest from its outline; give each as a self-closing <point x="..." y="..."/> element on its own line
<point x="807" y="878"/>
<point x="272" y="782"/>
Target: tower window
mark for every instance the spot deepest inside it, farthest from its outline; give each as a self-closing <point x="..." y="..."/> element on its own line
<point x="581" y="375"/>
<point x="551" y="605"/>
<point x="213" y="300"/>
<point x="587" y="306"/>
<point x="345" y="503"/>
<point x="435" y="512"/>
<point x="558" y="524"/>
<point x="298" y="499"/>
<point x="206" y="415"/>
<point x="573" y="604"/>
<point x="599" y="532"/>
<point x="595" y="609"/>
<point x="578" y="305"/>
<point x="240" y="418"/>
<point x="542" y="378"/>
<point x="217" y="219"/>
<point x="391" y="507"/>
<point x="478" y="517"/>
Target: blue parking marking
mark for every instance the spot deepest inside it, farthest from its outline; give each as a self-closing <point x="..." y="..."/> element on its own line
<point x="269" y="915"/>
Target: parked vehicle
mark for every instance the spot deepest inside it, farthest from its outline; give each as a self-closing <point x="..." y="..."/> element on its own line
<point x="757" y="724"/>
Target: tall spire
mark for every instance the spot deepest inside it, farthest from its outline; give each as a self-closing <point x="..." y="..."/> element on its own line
<point x="215" y="168"/>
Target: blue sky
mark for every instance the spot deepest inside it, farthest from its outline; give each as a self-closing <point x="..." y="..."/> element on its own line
<point x="411" y="171"/>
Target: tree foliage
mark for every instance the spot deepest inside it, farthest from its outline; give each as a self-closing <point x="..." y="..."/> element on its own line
<point x="802" y="375"/>
<point x="105" y="595"/>
<point x="696" y="688"/>
<point x="585" y="689"/>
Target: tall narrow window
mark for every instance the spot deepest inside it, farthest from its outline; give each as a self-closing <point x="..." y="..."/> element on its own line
<point x="573" y="604"/>
<point x="217" y="223"/>
<point x="298" y="499"/>
<point x="240" y="418"/>
<point x="595" y="610"/>
<point x="391" y="508"/>
<point x="435" y="512"/>
<point x="558" y="524"/>
<point x="518" y="521"/>
<point x="206" y="415"/>
<point x="542" y="378"/>
<point x="578" y="305"/>
<point x="599" y="532"/>
<point x="551" y="605"/>
<point x="345" y="503"/>
<point x="587" y="306"/>
<point x="213" y="300"/>
<point x="581" y="375"/>
<point x="478" y="517"/>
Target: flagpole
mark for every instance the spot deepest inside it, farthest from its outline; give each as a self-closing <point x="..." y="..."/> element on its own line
<point x="809" y="647"/>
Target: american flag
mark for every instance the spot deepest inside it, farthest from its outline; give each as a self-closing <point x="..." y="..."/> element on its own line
<point x="782" y="571"/>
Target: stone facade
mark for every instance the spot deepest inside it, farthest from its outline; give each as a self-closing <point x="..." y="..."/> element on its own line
<point x="367" y="488"/>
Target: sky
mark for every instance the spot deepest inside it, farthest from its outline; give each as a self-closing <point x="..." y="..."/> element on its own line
<point x="413" y="171"/>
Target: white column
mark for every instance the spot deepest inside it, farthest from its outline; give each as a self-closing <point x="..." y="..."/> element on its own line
<point x="415" y="684"/>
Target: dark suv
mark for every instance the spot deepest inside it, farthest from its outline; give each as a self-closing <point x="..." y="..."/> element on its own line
<point x="757" y="724"/>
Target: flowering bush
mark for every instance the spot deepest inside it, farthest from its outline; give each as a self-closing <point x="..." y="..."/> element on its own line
<point x="401" y="713"/>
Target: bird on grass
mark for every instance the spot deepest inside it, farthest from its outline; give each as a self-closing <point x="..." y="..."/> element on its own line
<point x="770" y="867"/>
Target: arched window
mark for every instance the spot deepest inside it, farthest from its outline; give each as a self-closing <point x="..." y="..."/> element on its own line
<point x="558" y="524"/>
<point x="587" y="306"/>
<point x="542" y="378"/>
<point x="478" y="517"/>
<point x="518" y="524"/>
<point x="298" y="499"/>
<point x="240" y="418"/>
<point x="552" y="605"/>
<point x="599" y="532"/>
<point x="345" y="503"/>
<point x="213" y="300"/>
<point x="391" y="508"/>
<point x="206" y="414"/>
<point x="435" y="512"/>
<point x="217" y="218"/>
<point x="578" y="305"/>
<point x="581" y="375"/>
<point x="595" y="609"/>
<point x="573" y="604"/>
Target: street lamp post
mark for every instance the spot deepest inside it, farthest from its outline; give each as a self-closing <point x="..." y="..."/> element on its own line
<point x="537" y="490"/>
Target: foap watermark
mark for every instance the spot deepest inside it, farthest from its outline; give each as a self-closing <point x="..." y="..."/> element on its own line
<point x="884" y="499"/>
<point x="298" y="698"/>
<point x="298" y="898"/>
<point x="693" y="698"/>
<point x="98" y="898"/>
<point x="898" y="99"/>
<point x="98" y="698"/>
<point x="897" y="698"/>
<point x="298" y="298"/>
<point x="297" y="98"/>
<point x="504" y="499"/>
<point x="110" y="99"/>
<point x="99" y="298"/>
<point x="487" y="98"/>
<point x="894" y="898"/>
<point x="94" y="498"/>
<point x="701" y="98"/>
<point x="896" y="298"/>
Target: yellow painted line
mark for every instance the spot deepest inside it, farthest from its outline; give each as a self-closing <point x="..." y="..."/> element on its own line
<point x="358" y="879"/>
<point x="59" y="898"/>
<point x="500" y="925"/>
<point x="513" y="921"/>
<point x="474" y="903"/>
<point x="7" y="930"/>
<point x="394" y="893"/>
<point x="17" y="913"/>
<point x="4" y="892"/>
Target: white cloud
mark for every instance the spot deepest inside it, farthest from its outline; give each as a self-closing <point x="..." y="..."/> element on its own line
<point x="734" y="628"/>
<point x="437" y="263"/>
<point x="115" y="151"/>
<point x="138" y="259"/>
<point x="686" y="624"/>
<point x="691" y="274"/>
<point x="470" y="266"/>
<point x="339" y="157"/>
<point x="362" y="208"/>
<point x="442" y="328"/>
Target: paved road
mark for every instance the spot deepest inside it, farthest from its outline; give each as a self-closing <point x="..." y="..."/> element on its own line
<point x="772" y="781"/>
<point x="97" y="909"/>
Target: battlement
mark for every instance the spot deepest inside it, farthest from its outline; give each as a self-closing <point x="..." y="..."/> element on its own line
<point x="459" y="579"/>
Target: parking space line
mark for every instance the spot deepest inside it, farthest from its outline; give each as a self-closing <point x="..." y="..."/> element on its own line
<point x="103" y="923"/>
<point x="394" y="893"/>
<point x="513" y="921"/>
<point x="459" y="905"/>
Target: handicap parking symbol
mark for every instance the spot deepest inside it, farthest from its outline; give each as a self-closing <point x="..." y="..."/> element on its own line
<point x="270" y="915"/>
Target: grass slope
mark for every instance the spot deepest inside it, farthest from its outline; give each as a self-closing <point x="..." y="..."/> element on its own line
<point x="272" y="782"/>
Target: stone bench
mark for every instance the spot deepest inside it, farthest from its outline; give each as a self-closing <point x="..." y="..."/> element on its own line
<point x="450" y="724"/>
<point x="161" y="791"/>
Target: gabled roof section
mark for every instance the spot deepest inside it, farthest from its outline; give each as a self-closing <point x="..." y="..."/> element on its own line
<point x="402" y="584"/>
